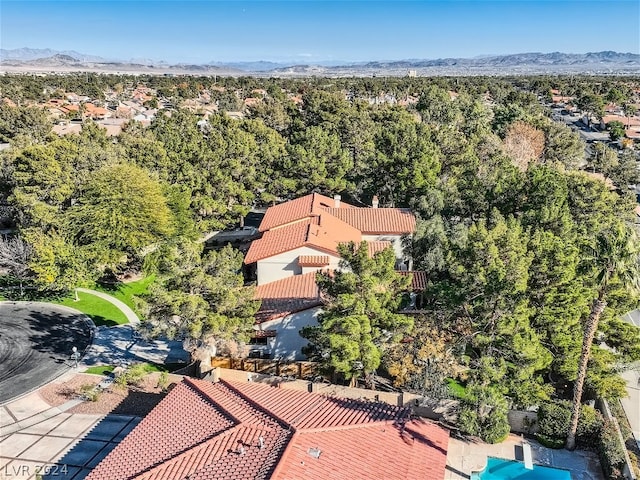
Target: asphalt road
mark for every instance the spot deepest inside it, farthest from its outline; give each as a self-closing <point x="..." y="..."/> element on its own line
<point x="36" y="341"/>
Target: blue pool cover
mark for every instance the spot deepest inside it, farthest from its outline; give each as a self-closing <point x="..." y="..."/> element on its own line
<point x="500" y="469"/>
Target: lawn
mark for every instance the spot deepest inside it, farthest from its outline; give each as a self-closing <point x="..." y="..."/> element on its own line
<point x="126" y="291"/>
<point x="100" y="369"/>
<point x="99" y="310"/>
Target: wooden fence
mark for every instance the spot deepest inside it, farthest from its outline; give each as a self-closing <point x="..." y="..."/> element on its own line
<point x="299" y="370"/>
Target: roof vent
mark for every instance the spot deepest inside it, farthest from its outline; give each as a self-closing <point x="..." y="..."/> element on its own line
<point x="261" y="442"/>
<point x="315" y="452"/>
<point x="374" y="201"/>
<point x="336" y="201"/>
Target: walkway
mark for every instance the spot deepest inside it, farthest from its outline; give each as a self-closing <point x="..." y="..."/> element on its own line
<point x="120" y="344"/>
<point x="124" y="308"/>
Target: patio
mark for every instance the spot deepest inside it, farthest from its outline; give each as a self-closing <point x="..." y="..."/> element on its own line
<point x="463" y="457"/>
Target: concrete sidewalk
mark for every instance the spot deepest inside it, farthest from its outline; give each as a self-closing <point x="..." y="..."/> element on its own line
<point x="37" y="439"/>
<point x="117" y="345"/>
<point x="631" y="403"/>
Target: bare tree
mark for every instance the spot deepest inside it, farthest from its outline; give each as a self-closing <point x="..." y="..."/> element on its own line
<point x="15" y="254"/>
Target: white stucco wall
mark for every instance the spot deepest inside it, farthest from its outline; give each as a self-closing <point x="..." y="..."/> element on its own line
<point x="287" y="344"/>
<point x="286" y="264"/>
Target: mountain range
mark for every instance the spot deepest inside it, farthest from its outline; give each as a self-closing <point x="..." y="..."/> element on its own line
<point x="45" y="60"/>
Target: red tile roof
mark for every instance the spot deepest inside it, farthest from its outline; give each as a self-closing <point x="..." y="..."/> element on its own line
<point x="377" y="246"/>
<point x="313" y="260"/>
<point x="269" y="433"/>
<point x="377" y="220"/>
<point x="286" y="296"/>
<point x="323" y="232"/>
<point x="314" y="220"/>
<point x="297" y="209"/>
<point x="418" y="280"/>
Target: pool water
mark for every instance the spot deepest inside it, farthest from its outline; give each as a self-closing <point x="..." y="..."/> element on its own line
<point x="500" y="469"/>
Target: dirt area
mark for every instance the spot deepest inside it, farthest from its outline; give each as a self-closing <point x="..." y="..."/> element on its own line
<point x="135" y="400"/>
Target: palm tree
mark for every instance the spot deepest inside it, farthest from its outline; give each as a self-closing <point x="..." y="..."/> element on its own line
<point x="615" y="255"/>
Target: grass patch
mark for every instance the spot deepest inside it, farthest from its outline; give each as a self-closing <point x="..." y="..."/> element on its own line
<point x="456" y="388"/>
<point x="126" y="291"/>
<point x="100" y="369"/>
<point x="166" y="367"/>
<point x="99" y="310"/>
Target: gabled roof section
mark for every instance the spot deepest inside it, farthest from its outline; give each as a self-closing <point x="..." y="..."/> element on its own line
<point x="323" y="232"/>
<point x="313" y="260"/>
<point x="163" y="434"/>
<point x="268" y="432"/>
<point x="286" y="296"/>
<point x="415" y="450"/>
<point x="297" y="209"/>
<point x="376" y="221"/>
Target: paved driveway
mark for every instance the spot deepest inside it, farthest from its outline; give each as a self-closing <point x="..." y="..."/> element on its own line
<point x="36" y="439"/>
<point x="35" y="344"/>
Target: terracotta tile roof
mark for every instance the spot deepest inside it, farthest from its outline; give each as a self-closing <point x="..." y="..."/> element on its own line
<point x="323" y="232"/>
<point x="377" y="246"/>
<point x="268" y="433"/>
<point x="418" y="280"/>
<point x="313" y="260"/>
<point x="286" y="296"/>
<point x="386" y="451"/>
<point x="377" y="220"/>
<point x="162" y="434"/>
<point x="297" y="209"/>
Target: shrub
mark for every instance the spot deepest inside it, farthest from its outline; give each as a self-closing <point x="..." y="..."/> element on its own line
<point x="554" y="418"/>
<point x="90" y="392"/>
<point x="611" y="451"/>
<point x="483" y="413"/>
<point x="163" y="381"/>
<point x="550" y="442"/>
<point x="131" y="376"/>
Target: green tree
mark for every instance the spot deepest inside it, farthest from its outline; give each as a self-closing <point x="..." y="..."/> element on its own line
<point x="616" y="130"/>
<point x="615" y="254"/>
<point x="360" y="316"/>
<point x="201" y="299"/>
<point x="121" y="211"/>
<point x="563" y="146"/>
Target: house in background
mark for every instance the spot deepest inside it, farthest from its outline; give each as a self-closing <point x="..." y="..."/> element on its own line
<point x="299" y="238"/>
<point x="246" y="430"/>
<point x="304" y="234"/>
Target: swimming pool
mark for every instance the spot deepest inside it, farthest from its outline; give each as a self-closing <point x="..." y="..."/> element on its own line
<point x="500" y="469"/>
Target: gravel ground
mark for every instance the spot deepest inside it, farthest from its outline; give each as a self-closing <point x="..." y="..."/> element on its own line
<point x="136" y="400"/>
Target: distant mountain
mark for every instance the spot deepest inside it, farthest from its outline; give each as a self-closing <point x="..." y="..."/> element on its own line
<point x="260" y="66"/>
<point x="26" y="59"/>
<point x="27" y="54"/>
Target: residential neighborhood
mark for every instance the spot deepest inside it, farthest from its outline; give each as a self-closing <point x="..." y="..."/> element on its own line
<point x="320" y="240"/>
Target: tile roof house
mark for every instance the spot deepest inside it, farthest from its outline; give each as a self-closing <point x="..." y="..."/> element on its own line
<point x="314" y="225"/>
<point x="301" y="237"/>
<point x="232" y="430"/>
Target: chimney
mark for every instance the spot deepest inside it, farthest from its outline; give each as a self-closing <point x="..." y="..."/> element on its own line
<point x="336" y="201"/>
<point x="374" y="201"/>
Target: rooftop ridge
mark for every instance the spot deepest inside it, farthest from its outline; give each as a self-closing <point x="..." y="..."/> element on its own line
<point x="215" y="452"/>
<point x="283" y="423"/>
<point x="211" y="400"/>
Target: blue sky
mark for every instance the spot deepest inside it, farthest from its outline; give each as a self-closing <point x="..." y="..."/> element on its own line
<point x="308" y="31"/>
